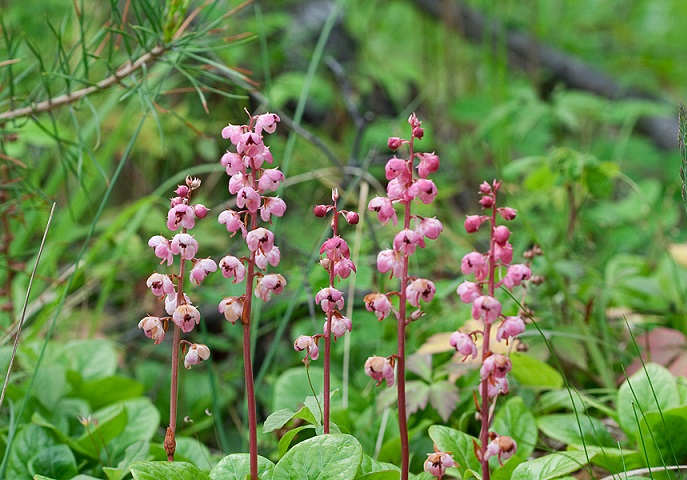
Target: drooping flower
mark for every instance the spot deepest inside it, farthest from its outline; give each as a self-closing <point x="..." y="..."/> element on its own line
<point x="429" y="163"/>
<point x="464" y="344"/>
<point x="186" y="317"/>
<point x="161" y="247"/>
<point x="380" y="369"/>
<point x="420" y="289"/>
<point x="232" y="267"/>
<point x="272" y="257"/>
<point x="384" y="209"/>
<point x="429" y="228"/>
<point x="468" y="291"/>
<point x="153" y="328"/>
<point x="232" y="220"/>
<point x="201" y="269"/>
<point x="516" y="275"/>
<point x="329" y="299"/>
<point x="260" y="238"/>
<point x="181" y="215"/>
<point x="437" y="463"/>
<point x="185" y="245"/>
<point x="486" y="308"/>
<point x="390" y="260"/>
<point x="474" y="262"/>
<point x="406" y="241"/>
<point x="270" y="180"/>
<point x="197" y="352"/>
<point x="379" y="304"/>
<point x="231" y="308"/>
<point x="511" y="327"/>
<point x="340" y="325"/>
<point x="249" y="199"/>
<point x="272" y="206"/>
<point x="160" y="284"/>
<point x="305" y="342"/>
<point x="502" y="447"/>
<point x="269" y="284"/>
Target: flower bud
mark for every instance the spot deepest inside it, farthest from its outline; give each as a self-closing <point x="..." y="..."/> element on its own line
<point x="486" y="202"/>
<point x="394" y="142"/>
<point x="182" y="191"/>
<point x="320" y="210"/>
<point x="507" y="213"/>
<point x="200" y="210"/>
<point x="352" y="218"/>
<point x="193" y="182"/>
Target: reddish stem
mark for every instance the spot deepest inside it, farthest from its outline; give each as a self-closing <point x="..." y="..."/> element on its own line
<point x="328" y="336"/>
<point x="486" y="337"/>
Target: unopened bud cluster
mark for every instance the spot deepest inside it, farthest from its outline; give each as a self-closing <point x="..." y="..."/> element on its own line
<point x="182" y="216"/>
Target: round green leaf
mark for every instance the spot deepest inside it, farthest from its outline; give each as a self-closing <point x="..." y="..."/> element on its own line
<point x="237" y="465"/>
<point x="460" y="444"/>
<point x="56" y="462"/>
<point x="555" y="465"/>
<point x="517" y="421"/>
<point x="167" y="471"/>
<point x="566" y="428"/>
<point x="532" y="372"/>
<point x="324" y="457"/>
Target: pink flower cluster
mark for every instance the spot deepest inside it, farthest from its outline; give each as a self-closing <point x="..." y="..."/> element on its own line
<point x="488" y="309"/>
<point x="406" y="182"/>
<point x="437" y="463"/>
<point x="337" y="262"/>
<point x="182" y="216"/>
<point x="249" y="181"/>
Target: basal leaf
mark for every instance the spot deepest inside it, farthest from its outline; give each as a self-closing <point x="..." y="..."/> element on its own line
<point x="108" y="390"/>
<point x="237" y="465"/>
<point x="285" y="441"/>
<point x="92" y="359"/>
<point x="195" y="452"/>
<point x="167" y="471"/>
<point x="554" y="465"/>
<point x="532" y="372"/>
<point x="574" y="429"/>
<point x="324" y="457"/>
<point x="459" y="443"/>
<point x="28" y="441"/>
<point x="144" y="420"/>
<point x="664" y="439"/>
<point x="57" y="462"/>
<point x="517" y="421"/>
<point x="277" y="420"/>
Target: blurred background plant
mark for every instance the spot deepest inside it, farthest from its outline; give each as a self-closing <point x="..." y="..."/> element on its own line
<point x="106" y="106"/>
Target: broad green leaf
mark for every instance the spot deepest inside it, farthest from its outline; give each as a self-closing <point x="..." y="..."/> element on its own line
<point x="554" y="465"/>
<point x="292" y="387"/>
<point x="136" y="452"/>
<point x="92" y="359"/>
<point x="144" y="420"/>
<point x="638" y="396"/>
<point x="195" y="452"/>
<point x="237" y="465"/>
<point x="515" y="420"/>
<point x="315" y="405"/>
<point x="460" y="444"/>
<point x="444" y="397"/>
<point x="505" y="472"/>
<point x="277" y="420"/>
<point x="167" y="471"/>
<point x="324" y="457"/>
<point x="614" y="459"/>
<point x="51" y="381"/>
<point x="285" y="441"/>
<point x="383" y="475"/>
<point x="532" y="372"/>
<point x="28" y="441"/>
<point x="371" y="465"/>
<point x="108" y="390"/>
<point x="102" y="427"/>
<point x="664" y="440"/>
<point x="56" y="462"/>
<point x="577" y="429"/>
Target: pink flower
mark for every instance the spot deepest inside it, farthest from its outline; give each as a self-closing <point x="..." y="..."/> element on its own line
<point x="273" y="206"/>
<point x="270" y="180"/>
<point x="437" y="463"/>
<point x="186" y="317"/>
<point x="272" y="257"/>
<point x="180" y="215"/>
<point x="380" y="369"/>
<point x="406" y="241"/>
<point x="237" y="182"/>
<point x="343" y="267"/>
<point x="256" y="161"/>
<point x="330" y="299"/>
<point x="335" y="248"/>
<point x="390" y="260"/>
<point x="233" y="163"/>
<point x="250" y="144"/>
<point x="495" y="366"/>
<point x="396" y="190"/>
<point x="507" y="213"/>
<point x="171" y="302"/>
<point x="464" y="344"/>
<point x="423" y="189"/>
<point x="182" y="191"/>
<point x="485" y="189"/>
<point x="197" y="352"/>
<point x="305" y="342"/>
<point x="340" y="325"/>
<point x="233" y="133"/>
<point x="231" y="308"/>
<point x="267" y="122"/>
<point x="429" y="163"/>
<point x="232" y="267"/>
<point x="468" y="291"/>
<point x="201" y="269"/>
<point x="384" y="208"/>
<point x="486" y="308"/>
<point x="260" y="238"/>
<point x="503" y="253"/>
<point x="379" y="304"/>
<point x="184" y="244"/>
<point x="429" y="228"/>
<point x="269" y="284"/>
<point x="397" y="167"/>
<point x="486" y="202"/>
<point x="160" y="284"/>
<point x="501" y="234"/>
<point x="502" y="447"/>
<point x="232" y="220"/>
<point x="161" y="247"/>
<point x="250" y="199"/>
<point x="153" y="328"/>
<point x="395" y="142"/>
<point x="474" y="262"/>
<point x="473" y="222"/>
<point x="511" y="327"/>
<point x="420" y="289"/>
<point x="516" y="275"/>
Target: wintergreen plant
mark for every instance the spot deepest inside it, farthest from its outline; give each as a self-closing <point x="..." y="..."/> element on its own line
<point x="180" y="310"/>
<point x="405" y="185"/>
<point x="249" y="181"/>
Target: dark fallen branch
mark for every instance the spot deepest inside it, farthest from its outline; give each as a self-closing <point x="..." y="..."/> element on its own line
<point x="526" y="52"/>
